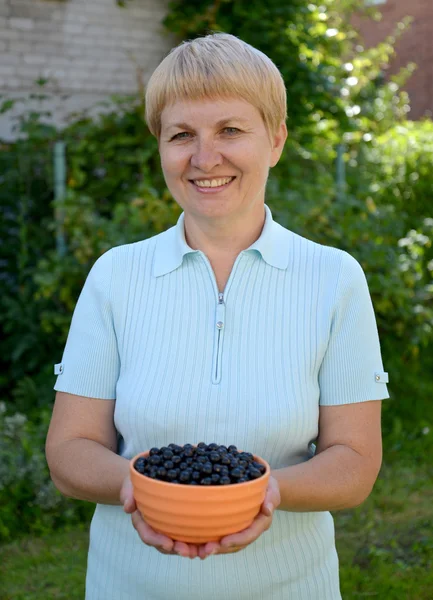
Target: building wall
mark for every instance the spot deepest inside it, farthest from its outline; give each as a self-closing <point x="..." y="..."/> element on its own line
<point x="86" y="49"/>
<point x="415" y="45"/>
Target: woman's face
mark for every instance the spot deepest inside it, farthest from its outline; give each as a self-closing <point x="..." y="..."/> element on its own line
<point x="216" y="155"/>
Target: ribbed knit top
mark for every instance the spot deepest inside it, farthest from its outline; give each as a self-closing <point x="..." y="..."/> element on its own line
<point x="294" y="329"/>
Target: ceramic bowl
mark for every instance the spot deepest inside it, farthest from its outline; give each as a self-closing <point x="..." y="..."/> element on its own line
<point x="198" y="514"/>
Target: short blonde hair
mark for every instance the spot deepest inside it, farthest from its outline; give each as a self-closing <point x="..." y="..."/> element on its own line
<point x="219" y="65"/>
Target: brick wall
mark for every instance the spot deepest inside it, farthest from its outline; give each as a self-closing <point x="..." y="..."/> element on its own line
<point x="415" y="45"/>
<point x="87" y="49"/>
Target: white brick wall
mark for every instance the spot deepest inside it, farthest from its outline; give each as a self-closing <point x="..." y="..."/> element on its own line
<point x="87" y="49"/>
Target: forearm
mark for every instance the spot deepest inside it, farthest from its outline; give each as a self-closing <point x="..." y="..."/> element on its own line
<point x="335" y="479"/>
<point x="86" y="470"/>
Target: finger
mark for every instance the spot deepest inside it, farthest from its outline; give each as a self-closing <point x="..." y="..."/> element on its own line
<point x="186" y="550"/>
<point x="127" y="496"/>
<point x="208" y="549"/>
<point x="149" y="536"/>
<point x="260" y="524"/>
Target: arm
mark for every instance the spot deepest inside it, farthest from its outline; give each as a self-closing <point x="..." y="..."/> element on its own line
<point x="346" y="465"/>
<point x="81" y="449"/>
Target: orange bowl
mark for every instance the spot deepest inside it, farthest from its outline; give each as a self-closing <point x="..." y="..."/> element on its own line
<point x="198" y="514"/>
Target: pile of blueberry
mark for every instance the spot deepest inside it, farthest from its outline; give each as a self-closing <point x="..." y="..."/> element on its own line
<point x="206" y="464"/>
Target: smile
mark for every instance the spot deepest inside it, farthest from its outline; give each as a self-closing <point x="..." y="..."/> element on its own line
<point x="212" y="185"/>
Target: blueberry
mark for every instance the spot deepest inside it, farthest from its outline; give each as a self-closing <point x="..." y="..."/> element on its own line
<point x="243" y="479"/>
<point x="167" y="454"/>
<point x="202" y="446"/>
<point x="161" y="472"/>
<point x="207" y="468"/>
<point x="225" y="460"/>
<point x="215" y="478"/>
<point x="169" y="464"/>
<point x="155" y="459"/>
<point x="140" y="465"/>
<point x="184" y="476"/>
<point x="153" y="451"/>
<point x="213" y="446"/>
<point x="214" y="457"/>
<point x="183" y="465"/>
<point x="188" y="452"/>
<point x="196" y="475"/>
<point x="206" y="481"/>
<point x="225" y="480"/>
<point x="232" y="449"/>
<point x="172" y="474"/>
<point x="237" y="473"/>
<point x="254" y="473"/>
<point x="176" y="460"/>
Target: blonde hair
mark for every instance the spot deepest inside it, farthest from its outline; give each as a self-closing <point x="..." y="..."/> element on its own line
<point x="219" y="65"/>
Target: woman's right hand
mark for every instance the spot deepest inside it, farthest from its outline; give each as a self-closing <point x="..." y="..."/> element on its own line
<point x="149" y="536"/>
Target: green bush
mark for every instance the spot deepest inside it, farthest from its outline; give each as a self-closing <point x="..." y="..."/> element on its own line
<point x="29" y="502"/>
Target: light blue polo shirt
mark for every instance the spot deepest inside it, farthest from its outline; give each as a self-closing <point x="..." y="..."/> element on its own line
<point x="294" y="329"/>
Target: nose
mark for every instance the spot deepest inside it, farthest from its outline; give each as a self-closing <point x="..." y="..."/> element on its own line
<point x="205" y="156"/>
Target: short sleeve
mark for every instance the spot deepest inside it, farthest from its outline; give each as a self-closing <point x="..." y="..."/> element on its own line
<point x="90" y="364"/>
<point x="352" y="369"/>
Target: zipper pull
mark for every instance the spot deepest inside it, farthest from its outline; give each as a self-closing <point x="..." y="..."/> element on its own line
<point x="220" y="298"/>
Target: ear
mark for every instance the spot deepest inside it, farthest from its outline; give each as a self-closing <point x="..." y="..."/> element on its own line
<point x="278" y="141"/>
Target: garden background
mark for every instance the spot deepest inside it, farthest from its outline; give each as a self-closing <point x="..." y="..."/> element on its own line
<point x="356" y="174"/>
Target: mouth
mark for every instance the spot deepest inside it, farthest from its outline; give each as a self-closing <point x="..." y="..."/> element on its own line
<point x="209" y="186"/>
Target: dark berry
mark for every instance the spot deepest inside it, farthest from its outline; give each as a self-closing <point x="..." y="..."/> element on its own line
<point x="161" y="472"/>
<point x="206" y="481"/>
<point x="155" y="459"/>
<point x="225" y="460"/>
<point x="243" y="479"/>
<point x="207" y="468"/>
<point x="196" y="475"/>
<point x="176" y="460"/>
<point x="167" y="454"/>
<point x="214" y="457"/>
<point x="184" y="476"/>
<point x="215" y="478"/>
<point x="172" y="474"/>
<point x="188" y="452"/>
<point x="237" y="473"/>
<point x="254" y="473"/>
<point x="183" y="465"/>
<point x="225" y="480"/>
<point x="169" y="464"/>
<point x="232" y="449"/>
<point x="153" y="451"/>
<point x="212" y="446"/>
<point x="202" y="445"/>
<point x="140" y="465"/>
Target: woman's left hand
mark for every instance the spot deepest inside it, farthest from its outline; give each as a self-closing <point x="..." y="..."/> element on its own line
<point x="242" y="539"/>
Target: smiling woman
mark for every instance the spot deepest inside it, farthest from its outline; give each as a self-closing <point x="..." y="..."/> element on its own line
<point x="227" y="328"/>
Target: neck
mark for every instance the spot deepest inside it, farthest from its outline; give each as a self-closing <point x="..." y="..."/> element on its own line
<point x="223" y="240"/>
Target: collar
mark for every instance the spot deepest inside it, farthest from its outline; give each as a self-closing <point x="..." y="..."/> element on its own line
<point x="273" y="246"/>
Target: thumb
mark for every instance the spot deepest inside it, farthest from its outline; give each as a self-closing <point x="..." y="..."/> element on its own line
<point x="127" y="496"/>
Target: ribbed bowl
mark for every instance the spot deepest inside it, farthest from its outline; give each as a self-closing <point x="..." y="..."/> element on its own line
<point x="198" y="514"/>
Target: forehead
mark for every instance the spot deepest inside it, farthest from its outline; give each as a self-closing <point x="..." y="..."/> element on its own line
<point x="208" y="111"/>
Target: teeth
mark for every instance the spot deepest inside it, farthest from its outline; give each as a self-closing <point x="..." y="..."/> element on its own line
<point x="212" y="182"/>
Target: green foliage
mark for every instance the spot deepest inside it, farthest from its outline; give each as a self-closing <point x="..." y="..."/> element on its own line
<point x="29" y="502"/>
<point x="380" y="212"/>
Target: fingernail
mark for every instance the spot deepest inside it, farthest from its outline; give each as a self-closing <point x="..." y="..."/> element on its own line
<point x="269" y="508"/>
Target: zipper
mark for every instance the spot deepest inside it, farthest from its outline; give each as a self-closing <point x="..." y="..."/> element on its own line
<point x="219" y="325"/>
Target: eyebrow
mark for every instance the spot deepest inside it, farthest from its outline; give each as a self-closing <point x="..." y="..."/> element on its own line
<point x="218" y="124"/>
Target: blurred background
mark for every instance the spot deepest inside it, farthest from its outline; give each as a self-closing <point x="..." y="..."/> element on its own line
<point x="79" y="174"/>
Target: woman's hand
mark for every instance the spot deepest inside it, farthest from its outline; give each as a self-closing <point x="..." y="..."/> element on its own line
<point x="227" y="545"/>
<point x="239" y="541"/>
<point x="149" y="536"/>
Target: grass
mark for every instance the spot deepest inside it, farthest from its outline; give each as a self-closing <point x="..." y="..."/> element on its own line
<point x="385" y="547"/>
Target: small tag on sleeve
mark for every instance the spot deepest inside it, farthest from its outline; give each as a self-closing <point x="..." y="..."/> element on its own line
<point x="58" y="369"/>
<point x="381" y="377"/>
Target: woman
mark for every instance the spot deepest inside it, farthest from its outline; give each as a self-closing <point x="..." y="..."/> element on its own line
<point x="226" y="328"/>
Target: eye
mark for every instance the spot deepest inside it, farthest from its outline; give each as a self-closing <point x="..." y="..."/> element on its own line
<point x="183" y="135"/>
<point x="231" y="130"/>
